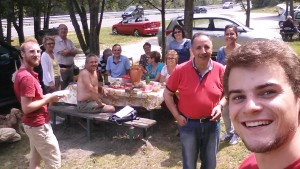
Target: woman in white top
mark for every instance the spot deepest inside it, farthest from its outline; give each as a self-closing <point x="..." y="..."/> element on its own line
<point x="51" y="73"/>
<point x="171" y="62"/>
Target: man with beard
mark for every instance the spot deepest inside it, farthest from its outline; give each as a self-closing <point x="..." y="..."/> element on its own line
<point x="88" y="100"/>
<point x="43" y="143"/>
<point x="199" y="84"/>
<point x="262" y="84"/>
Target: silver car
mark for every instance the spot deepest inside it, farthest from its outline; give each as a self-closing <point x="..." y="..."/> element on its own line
<point x="214" y="25"/>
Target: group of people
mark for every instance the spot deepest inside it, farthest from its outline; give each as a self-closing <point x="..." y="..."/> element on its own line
<point x="259" y="88"/>
<point x="257" y="92"/>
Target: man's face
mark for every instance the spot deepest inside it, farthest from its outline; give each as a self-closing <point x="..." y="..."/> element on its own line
<point x="31" y="54"/>
<point x="202" y="48"/>
<point x="263" y="107"/>
<point x="63" y="31"/>
<point x="117" y="51"/>
<point x="91" y="63"/>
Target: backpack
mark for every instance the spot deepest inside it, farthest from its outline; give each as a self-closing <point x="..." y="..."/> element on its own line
<point x="124" y="115"/>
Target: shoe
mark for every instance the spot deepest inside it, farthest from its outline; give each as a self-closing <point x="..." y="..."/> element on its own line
<point x="234" y="140"/>
<point x="225" y="137"/>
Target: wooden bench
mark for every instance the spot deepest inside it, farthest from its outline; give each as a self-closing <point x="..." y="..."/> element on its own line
<point x="71" y="110"/>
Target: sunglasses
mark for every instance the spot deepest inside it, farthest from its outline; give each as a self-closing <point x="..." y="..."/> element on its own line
<point x="175" y="32"/>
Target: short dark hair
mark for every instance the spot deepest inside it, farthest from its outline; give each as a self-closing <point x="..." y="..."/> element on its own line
<point x="156" y="55"/>
<point x="265" y="52"/>
<point x="197" y="35"/>
<point x="179" y="28"/>
<point x="147" y="44"/>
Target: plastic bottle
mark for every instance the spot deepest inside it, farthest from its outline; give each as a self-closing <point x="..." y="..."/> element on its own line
<point x="147" y="79"/>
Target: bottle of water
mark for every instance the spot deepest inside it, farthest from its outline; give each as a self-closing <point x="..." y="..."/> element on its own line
<point x="147" y="79"/>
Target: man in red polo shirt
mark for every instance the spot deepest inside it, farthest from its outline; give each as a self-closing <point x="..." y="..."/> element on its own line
<point x="43" y="143"/>
<point x="199" y="83"/>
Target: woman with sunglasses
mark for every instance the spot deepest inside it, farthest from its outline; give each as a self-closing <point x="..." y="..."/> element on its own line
<point x="180" y="44"/>
<point x="154" y="66"/>
<point x="51" y="72"/>
<point x="230" y="35"/>
<point x="171" y="63"/>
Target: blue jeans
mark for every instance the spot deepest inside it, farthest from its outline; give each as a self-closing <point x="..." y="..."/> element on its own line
<point x="198" y="137"/>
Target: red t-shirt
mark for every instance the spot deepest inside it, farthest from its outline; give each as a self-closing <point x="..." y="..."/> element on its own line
<point x="27" y="85"/>
<point x="197" y="97"/>
<point x="251" y="163"/>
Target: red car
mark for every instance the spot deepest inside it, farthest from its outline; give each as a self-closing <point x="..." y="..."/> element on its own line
<point x="136" y="27"/>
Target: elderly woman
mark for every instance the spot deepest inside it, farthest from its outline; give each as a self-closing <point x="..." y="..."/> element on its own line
<point x="154" y="66"/>
<point x="180" y="44"/>
<point x="171" y="63"/>
<point x="51" y="72"/>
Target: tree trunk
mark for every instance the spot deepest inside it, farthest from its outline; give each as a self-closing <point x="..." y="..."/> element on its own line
<point x="19" y="28"/>
<point x="37" y="23"/>
<point x="83" y="18"/>
<point x="82" y="43"/>
<point x="94" y="34"/>
<point x="163" y="28"/>
<point x="188" y="18"/>
<point x="47" y="14"/>
<point x="100" y="23"/>
<point x="1" y="30"/>
<point x="248" y="13"/>
<point x="8" y="30"/>
<point x="292" y="8"/>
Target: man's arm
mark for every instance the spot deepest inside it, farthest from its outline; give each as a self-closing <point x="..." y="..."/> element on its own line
<point x="168" y="96"/>
<point x="217" y="110"/>
<point x="29" y="106"/>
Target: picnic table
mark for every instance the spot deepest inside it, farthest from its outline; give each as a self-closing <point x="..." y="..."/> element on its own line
<point x="118" y="97"/>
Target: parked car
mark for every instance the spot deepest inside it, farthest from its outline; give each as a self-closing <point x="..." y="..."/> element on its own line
<point x="227" y="5"/>
<point x="200" y="9"/>
<point x="9" y="56"/>
<point x="214" y="25"/>
<point x="133" y="11"/>
<point x="136" y="27"/>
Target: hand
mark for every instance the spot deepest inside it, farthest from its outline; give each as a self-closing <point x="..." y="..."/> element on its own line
<point x="54" y="97"/>
<point x="104" y="91"/>
<point x="181" y="120"/>
<point x="64" y="52"/>
<point x="216" y="113"/>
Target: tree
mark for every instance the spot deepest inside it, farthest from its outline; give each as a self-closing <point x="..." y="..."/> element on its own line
<point x="89" y="41"/>
<point x="163" y="26"/>
<point x="188" y="18"/>
<point x="247" y="10"/>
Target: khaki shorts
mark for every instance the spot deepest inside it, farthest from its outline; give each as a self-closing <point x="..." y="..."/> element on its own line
<point x="88" y="106"/>
<point x="43" y="146"/>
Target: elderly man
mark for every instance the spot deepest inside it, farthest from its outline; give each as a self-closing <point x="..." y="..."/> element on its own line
<point x="262" y="84"/>
<point x="199" y="84"/>
<point x="65" y="52"/>
<point x="88" y="100"/>
<point x="36" y="119"/>
<point x="117" y="65"/>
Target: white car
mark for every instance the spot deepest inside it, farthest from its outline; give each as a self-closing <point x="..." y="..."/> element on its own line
<point x="227" y="5"/>
<point x="214" y="25"/>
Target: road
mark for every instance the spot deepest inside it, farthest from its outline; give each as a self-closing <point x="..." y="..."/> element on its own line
<point x="258" y="21"/>
<point x="111" y="18"/>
